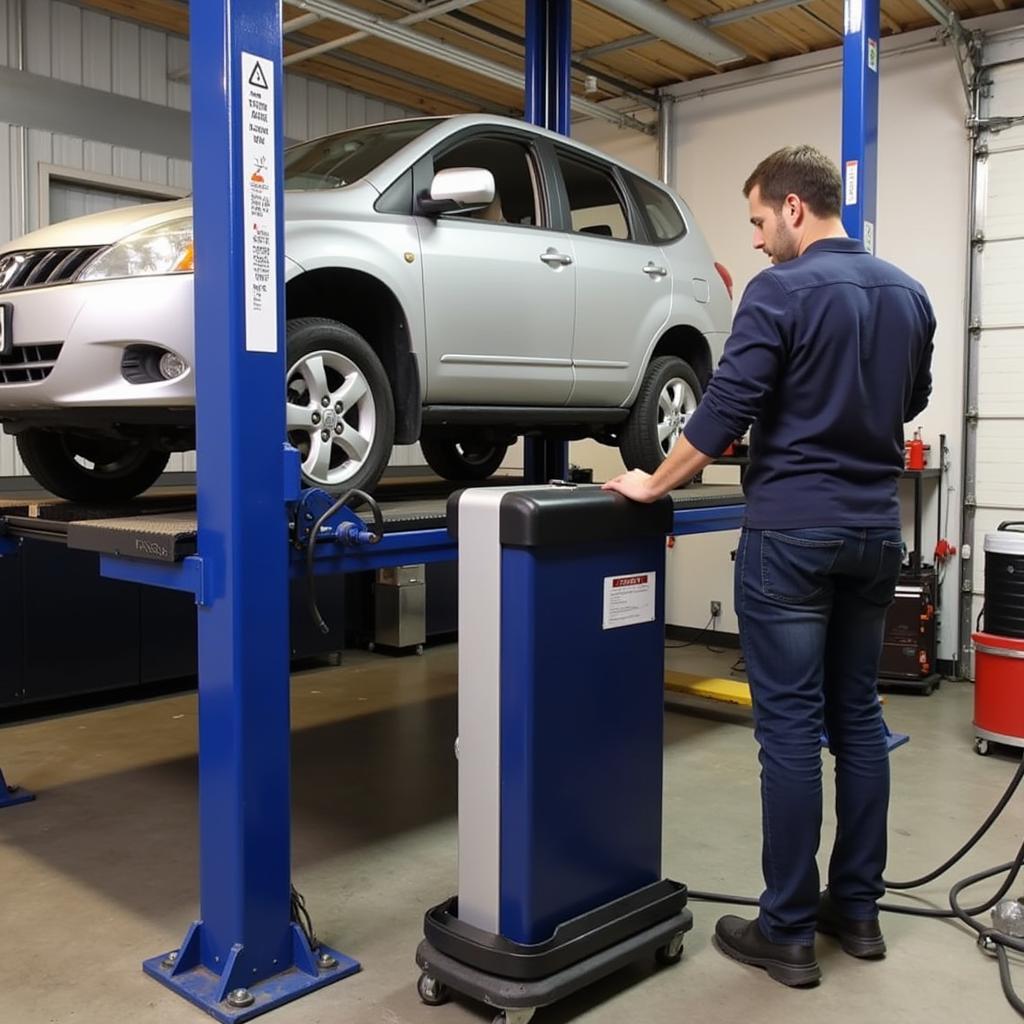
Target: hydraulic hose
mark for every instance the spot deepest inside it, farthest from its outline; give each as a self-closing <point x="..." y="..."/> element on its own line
<point x="314" y="535"/>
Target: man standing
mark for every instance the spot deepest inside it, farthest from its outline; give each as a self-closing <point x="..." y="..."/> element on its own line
<point x="829" y="356"/>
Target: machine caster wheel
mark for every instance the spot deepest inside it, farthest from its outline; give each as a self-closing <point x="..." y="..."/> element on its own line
<point x="671" y="953"/>
<point x="514" y="1017"/>
<point x="419" y="649"/>
<point x="431" y="991"/>
<point x="981" y="746"/>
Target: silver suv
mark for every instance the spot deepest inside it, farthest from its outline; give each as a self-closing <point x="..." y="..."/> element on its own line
<point x="456" y="281"/>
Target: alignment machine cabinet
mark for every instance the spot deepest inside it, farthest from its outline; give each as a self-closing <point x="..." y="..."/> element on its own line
<point x="561" y="675"/>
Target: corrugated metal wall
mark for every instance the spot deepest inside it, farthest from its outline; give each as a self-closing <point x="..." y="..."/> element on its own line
<point x="81" y="47"/>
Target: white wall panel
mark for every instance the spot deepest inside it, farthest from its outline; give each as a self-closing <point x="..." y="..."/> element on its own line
<point x="999" y="481"/>
<point x="1007" y="95"/>
<point x="153" y="67"/>
<point x="6" y="35"/>
<point x="178" y="92"/>
<point x="97" y="58"/>
<point x="1002" y="297"/>
<point x="37" y="38"/>
<point x="66" y="43"/>
<point x="125" y="50"/>
<point x="1001" y="373"/>
<point x="1004" y="213"/>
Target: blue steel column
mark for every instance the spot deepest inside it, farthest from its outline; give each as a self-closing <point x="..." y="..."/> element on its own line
<point x="548" y="93"/>
<point x="244" y="955"/>
<point x="860" y="119"/>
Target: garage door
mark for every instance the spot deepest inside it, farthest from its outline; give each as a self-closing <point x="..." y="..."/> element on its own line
<point x="71" y="199"/>
<point x="994" y="490"/>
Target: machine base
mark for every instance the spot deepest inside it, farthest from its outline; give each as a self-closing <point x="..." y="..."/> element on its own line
<point x="520" y="998"/>
<point x="983" y="739"/>
<point x="224" y="997"/>
<point x="572" y="941"/>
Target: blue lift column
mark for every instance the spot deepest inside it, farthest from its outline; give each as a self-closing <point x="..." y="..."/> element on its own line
<point x="244" y="955"/>
<point x="860" y="119"/>
<point x="548" y="91"/>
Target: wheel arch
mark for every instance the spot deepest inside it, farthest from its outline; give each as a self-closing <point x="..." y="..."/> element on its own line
<point x="369" y="306"/>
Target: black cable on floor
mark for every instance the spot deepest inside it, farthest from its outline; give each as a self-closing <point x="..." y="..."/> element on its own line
<point x="691" y="643"/>
<point x="990" y="939"/>
<point x="300" y="915"/>
<point x="916" y="883"/>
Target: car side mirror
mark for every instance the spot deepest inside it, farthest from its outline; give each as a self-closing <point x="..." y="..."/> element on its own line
<point x="457" y="190"/>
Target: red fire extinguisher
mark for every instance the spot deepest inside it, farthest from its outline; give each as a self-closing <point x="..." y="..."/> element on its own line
<point x="915" y="451"/>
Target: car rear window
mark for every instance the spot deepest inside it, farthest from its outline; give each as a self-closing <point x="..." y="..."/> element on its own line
<point x="338" y="160"/>
<point x="595" y="204"/>
<point x="662" y="213"/>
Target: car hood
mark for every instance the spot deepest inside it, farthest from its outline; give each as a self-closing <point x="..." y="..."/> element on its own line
<point x="102" y="228"/>
<point x="113" y="225"/>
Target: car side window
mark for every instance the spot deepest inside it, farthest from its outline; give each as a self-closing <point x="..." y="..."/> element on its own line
<point x="595" y="203"/>
<point x="516" y="195"/>
<point x="662" y="213"/>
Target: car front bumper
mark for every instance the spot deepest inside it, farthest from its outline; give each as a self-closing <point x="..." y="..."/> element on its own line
<point x="93" y="323"/>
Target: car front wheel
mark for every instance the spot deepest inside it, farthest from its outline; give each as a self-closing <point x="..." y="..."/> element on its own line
<point x="90" y="469"/>
<point x="340" y="411"/>
<point x="668" y="397"/>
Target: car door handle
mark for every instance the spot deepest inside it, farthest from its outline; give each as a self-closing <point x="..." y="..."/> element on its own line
<point x="653" y="270"/>
<point x="555" y="259"/>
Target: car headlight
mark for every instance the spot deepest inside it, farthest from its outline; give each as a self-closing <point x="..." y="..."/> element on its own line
<point x="165" y="249"/>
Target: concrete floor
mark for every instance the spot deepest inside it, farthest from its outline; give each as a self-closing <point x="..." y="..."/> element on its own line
<point x="100" y="871"/>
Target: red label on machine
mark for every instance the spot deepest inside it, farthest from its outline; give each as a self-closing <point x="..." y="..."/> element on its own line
<point x="629" y="600"/>
<point x="628" y="581"/>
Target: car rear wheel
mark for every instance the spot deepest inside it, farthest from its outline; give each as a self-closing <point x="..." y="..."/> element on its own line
<point x="340" y="411"/>
<point x="90" y="469"/>
<point x="668" y="397"/>
<point x="462" y="460"/>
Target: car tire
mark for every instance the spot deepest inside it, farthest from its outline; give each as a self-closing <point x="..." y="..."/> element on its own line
<point x="325" y="359"/>
<point x="89" y="469"/>
<point x="669" y="393"/>
<point x="459" y="460"/>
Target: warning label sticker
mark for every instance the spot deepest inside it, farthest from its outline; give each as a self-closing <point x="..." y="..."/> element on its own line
<point x="258" y="169"/>
<point x="869" y="237"/>
<point x="851" y="182"/>
<point x="629" y="600"/>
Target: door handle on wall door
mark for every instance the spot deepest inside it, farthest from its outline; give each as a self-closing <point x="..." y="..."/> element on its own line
<point x="555" y="259"/>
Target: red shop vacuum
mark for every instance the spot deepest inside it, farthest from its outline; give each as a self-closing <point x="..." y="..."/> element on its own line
<point x="999" y="647"/>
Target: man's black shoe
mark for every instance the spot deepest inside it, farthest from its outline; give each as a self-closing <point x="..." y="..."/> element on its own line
<point x="789" y="964"/>
<point x="861" y="939"/>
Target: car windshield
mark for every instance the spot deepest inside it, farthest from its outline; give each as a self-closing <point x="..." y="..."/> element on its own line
<point x="339" y="160"/>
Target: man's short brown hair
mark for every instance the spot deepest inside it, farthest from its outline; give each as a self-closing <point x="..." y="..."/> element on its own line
<point x="799" y="170"/>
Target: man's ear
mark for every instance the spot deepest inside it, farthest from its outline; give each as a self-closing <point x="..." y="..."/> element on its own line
<point x="796" y="208"/>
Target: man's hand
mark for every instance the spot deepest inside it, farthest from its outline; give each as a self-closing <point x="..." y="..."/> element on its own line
<point x="636" y="485"/>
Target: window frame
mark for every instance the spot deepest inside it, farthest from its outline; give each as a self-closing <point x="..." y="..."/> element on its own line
<point x="423" y="174"/>
<point x="631" y="180"/>
<point x="637" y="223"/>
<point x="50" y="174"/>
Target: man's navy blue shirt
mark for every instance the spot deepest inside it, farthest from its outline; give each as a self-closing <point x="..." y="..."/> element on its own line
<point x="829" y="356"/>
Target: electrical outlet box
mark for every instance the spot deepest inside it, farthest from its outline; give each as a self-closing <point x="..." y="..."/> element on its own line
<point x="716" y="609"/>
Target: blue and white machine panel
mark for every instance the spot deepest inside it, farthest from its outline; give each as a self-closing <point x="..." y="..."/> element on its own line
<point x="561" y="674"/>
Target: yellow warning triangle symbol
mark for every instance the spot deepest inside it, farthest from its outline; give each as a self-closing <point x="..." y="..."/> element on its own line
<point x="257" y="77"/>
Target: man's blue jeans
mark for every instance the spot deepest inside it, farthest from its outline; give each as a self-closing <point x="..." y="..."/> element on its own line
<point x="811" y="606"/>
